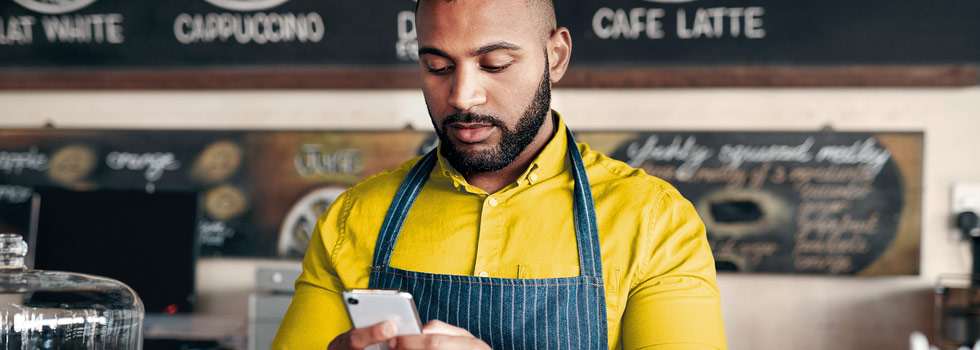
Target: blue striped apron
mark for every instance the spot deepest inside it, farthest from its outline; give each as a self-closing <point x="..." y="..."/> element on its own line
<point x="548" y="313"/>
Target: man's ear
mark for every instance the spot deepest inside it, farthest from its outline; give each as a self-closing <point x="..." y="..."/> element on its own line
<point x="559" y="53"/>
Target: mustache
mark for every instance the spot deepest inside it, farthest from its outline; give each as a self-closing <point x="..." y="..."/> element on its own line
<point x="463" y="117"/>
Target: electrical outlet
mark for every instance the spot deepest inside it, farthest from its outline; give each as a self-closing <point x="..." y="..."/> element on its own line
<point x="965" y="197"/>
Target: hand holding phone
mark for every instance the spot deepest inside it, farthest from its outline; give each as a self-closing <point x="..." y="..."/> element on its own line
<point x="369" y="307"/>
<point x="372" y="311"/>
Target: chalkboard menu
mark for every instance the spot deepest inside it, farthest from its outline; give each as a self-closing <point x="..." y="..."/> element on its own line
<point x="620" y="33"/>
<point x="836" y="203"/>
<point x="778" y="202"/>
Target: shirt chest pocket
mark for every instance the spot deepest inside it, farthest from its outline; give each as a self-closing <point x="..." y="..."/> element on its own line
<point x="611" y="276"/>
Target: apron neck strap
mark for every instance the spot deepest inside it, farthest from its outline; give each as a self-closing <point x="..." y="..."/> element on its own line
<point x="400" y="205"/>
<point x="586" y="225"/>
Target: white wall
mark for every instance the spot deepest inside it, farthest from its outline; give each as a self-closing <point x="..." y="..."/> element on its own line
<point x="761" y="311"/>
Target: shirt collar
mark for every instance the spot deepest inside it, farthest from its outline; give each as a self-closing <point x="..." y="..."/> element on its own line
<point x="549" y="163"/>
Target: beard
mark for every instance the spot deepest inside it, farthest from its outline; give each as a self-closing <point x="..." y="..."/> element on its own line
<point x="512" y="141"/>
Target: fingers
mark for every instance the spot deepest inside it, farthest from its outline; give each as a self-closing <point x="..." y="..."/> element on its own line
<point x="436" y="342"/>
<point x="439" y="327"/>
<point x="438" y="335"/>
<point x="361" y="338"/>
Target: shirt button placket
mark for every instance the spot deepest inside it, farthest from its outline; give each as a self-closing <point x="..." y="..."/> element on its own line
<point x="488" y="243"/>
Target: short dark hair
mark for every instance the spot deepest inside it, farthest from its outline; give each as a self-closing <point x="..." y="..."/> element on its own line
<point x="546" y="9"/>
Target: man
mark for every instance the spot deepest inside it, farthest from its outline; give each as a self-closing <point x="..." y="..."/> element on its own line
<point x="509" y="235"/>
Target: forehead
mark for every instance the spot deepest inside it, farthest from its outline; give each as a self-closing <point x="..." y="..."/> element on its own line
<point x="471" y="23"/>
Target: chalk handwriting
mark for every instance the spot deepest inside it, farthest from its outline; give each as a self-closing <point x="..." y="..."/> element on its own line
<point x="155" y="164"/>
<point x="832" y="264"/>
<point x="830" y="174"/>
<point x="733" y="178"/>
<point x="861" y="152"/>
<point x="705" y="23"/>
<point x="823" y="208"/>
<point x="407" y="47"/>
<point x="214" y="233"/>
<point x="19" y="30"/>
<point x="686" y="150"/>
<point x="16" y="162"/>
<point x="834" y="228"/>
<point x="312" y="160"/>
<point x="837" y="227"/>
<point x="15" y="194"/>
<point x="736" y="155"/>
<point x="259" y="28"/>
<point x="849" y="191"/>
<point x="88" y="28"/>
<point x="754" y="252"/>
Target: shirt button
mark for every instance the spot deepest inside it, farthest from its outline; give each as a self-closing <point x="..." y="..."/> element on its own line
<point x="493" y="203"/>
<point x="534" y="177"/>
<point x="484" y="274"/>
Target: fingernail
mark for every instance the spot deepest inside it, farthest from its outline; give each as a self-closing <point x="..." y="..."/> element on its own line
<point x="389" y="329"/>
<point x="393" y="343"/>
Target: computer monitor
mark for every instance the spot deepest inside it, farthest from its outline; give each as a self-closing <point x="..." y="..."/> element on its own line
<point x="144" y="240"/>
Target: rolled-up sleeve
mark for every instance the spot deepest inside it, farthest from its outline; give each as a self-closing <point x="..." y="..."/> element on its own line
<point x="317" y="314"/>
<point x="674" y="301"/>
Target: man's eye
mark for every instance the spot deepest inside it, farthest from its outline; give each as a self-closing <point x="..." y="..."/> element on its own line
<point x="496" y="68"/>
<point x="439" y="70"/>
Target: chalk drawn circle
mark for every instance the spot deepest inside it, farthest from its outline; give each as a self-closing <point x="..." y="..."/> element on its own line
<point x="246" y="5"/>
<point x="297" y="228"/>
<point x="217" y="162"/>
<point x="54" y="7"/>
<point x="225" y="202"/>
<point x="670" y="1"/>
<point x="71" y="164"/>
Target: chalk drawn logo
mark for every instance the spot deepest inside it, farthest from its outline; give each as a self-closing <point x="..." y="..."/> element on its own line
<point x="72" y="164"/>
<point x="217" y="162"/>
<point x="225" y="202"/>
<point x="246" y="5"/>
<point x="54" y="7"/>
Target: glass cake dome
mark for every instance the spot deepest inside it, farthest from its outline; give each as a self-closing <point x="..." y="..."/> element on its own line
<point x="63" y="310"/>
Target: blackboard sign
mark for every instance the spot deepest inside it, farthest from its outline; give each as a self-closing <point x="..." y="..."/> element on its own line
<point x="118" y="33"/>
<point x="780" y="202"/>
<point x="835" y="203"/>
<point x="619" y="33"/>
<point x="774" y="32"/>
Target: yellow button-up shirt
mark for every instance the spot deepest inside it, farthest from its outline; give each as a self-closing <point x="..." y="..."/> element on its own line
<point x="657" y="266"/>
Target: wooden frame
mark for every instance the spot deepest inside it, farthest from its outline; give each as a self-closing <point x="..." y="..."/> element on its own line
<point x="577" y="77"/>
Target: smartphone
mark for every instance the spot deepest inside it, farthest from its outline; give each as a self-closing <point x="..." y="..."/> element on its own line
<point x="368" y="307"/>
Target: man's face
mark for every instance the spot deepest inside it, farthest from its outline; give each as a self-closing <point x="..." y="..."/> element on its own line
<point x="485" y="79"/>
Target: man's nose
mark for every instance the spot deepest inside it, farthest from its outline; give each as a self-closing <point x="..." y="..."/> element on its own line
<point x="467" y="90"/>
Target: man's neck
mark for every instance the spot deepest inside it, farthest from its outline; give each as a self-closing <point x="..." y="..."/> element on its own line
<point x="494" y="181"/>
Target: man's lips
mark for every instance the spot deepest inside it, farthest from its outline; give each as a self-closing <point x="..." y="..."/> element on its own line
<point x="470" y="132"/>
